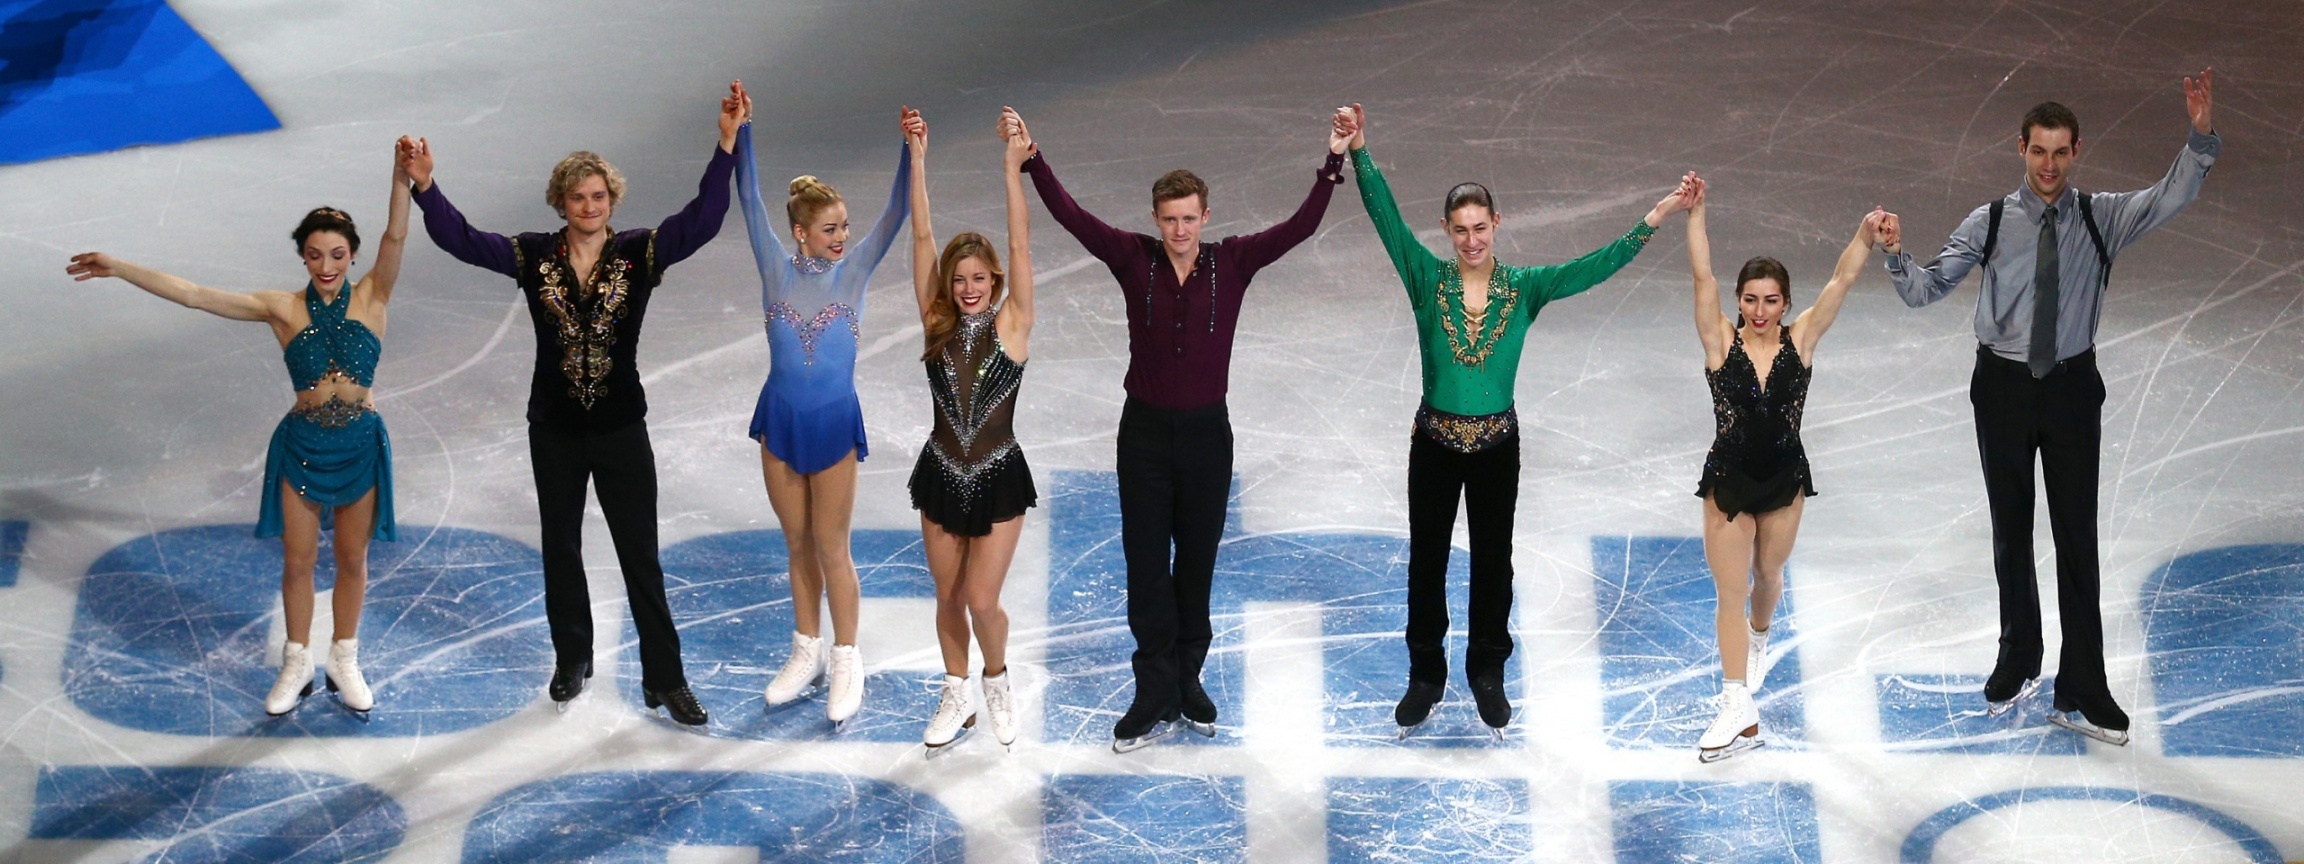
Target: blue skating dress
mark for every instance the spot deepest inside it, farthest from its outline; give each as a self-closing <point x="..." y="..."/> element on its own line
<point x="333" y="452"/>
<point x="808" y="415"/>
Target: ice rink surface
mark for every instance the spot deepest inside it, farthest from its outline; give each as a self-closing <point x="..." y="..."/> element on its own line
<point x="139" y="621"/>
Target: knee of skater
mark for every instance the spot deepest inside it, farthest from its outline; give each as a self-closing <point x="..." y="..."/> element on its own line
<point x="986" y="605"/>
<point x="297" y="564"/>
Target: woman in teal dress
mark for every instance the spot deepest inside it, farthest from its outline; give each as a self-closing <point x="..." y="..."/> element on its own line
<point x="330" y="463"/>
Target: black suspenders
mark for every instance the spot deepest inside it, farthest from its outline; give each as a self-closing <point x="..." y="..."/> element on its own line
<point x="2087" y="217"/>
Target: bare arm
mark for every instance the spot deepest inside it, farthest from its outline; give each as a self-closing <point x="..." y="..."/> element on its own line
<point x="923" y="235"/>
<point x="260" y="306"/>
<point x="1017" y="311"/>
<point x="1712" y="327"/>
<point x="1810" y="327"/>
<point x="386" y="273"/>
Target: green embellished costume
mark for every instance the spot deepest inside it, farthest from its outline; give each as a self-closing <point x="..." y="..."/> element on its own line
<point x="1466" y="444"/>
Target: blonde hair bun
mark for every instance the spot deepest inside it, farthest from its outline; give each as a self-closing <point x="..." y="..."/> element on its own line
<point x="809" y="195"/>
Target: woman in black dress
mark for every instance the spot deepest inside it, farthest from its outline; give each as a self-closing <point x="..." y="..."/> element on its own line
<point x="1756" y="477"/>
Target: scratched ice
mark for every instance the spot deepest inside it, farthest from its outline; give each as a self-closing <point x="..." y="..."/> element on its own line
<point x="138" y="622"/>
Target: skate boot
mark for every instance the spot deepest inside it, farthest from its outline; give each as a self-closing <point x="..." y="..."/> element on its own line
<point x="844" y="684"/>
<point x="1755" y="657"/>
<point x="1416" y="707"/>
<point x="1199" y="710"/>
<point x="568" y="682"/>
<point x="344" y="678"/>
<point x="1142" y="727"/>
<point x="1495" y="708"/>
<point x="952" y="719"/>
<point x="804" y="669"/>
<point x="2110" y="725"/>
<point x="1736" y="730"/>
<point x="1001" y="705"/>
<point x="295" y="680"/>
<point x="2004" y="690"/>
<point x="677" y="702"/>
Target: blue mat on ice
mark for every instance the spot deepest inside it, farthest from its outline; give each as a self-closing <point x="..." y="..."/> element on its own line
<point x="85" y="76"/>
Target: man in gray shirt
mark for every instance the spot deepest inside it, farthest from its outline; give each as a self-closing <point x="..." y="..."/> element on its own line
<point x="2044" y="252"/>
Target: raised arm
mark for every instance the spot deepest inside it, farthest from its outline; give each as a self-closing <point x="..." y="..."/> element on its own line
<point x="1561" y="281"/>
<point x="681" y="234"/>
<point x="874" y="246"/>
<point x="1416" y="265"/>
<point x="923" y="235"/>
<point x="1108" y="244"/>
<point x="1018" y="308"/>
<point x="446" y="224"/>
<point x="1809" y="328"/>
<point x="1712" y="326"/>
<point x="2128" y="216"/>
<point x="1260" y="249"/>
<point x="260" y="306"/>
<point x="767" y="247"/>
<point x="1920" y="286"/>
<point x="386" y="273"/>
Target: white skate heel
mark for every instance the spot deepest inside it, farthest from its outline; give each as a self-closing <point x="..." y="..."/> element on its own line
<point x="804" y="669"/>
<point x="344" y="678"/>
<point x="295" y="680"/>
<point x="952" y="718"/>
<point x="844" y="684"/>
<point x="1736" y="730"/>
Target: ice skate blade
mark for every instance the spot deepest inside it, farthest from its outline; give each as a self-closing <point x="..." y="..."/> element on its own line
<point x="1742" y="744"/>
<point x="1996" y="709"/>
<point x="1206" y="730"/>
<point x="935" y="750"/>
<point x="2114" y="737"/>
<point x="1152" y="736"/>
<point x="1404" y="730"/>
<point x="1496" y="734"/>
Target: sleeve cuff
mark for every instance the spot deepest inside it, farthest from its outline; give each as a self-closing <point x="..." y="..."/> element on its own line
<point x="1332" y="170"/>
<point x="2206" y="145"/>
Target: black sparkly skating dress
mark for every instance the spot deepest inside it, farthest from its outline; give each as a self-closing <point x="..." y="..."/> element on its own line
<point x="972" y="475"/>
<point x="1757" y="464"/>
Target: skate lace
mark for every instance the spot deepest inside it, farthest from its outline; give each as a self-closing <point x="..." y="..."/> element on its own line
<point x="801" y="664"/>
<point x="996" y="699"/>
<point x="950" y="706"/>
<point x="844" y="668"/>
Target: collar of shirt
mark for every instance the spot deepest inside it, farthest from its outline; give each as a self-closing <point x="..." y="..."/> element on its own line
<point x="2036" y="207"/>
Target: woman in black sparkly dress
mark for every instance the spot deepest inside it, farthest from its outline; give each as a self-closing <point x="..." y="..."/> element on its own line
<point x="1756" y="477"/>
<point x="971" y="484"/>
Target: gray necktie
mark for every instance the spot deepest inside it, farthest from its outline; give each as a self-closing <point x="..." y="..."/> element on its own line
<point x="2041" y="356"/>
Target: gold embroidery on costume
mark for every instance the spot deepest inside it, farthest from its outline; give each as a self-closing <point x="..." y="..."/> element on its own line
<point x="1466" y="433"/>
<point x="1480" y="333"/>
<point x="586" y="326"/>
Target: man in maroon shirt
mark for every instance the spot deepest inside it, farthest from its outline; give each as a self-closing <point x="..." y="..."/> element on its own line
<point x="1175" y="443"/>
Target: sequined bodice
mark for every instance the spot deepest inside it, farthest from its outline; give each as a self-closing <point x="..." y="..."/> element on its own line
<point x="331" y="344"/>
<point x="1758" y="429"/>
<point x="974" y="386"/>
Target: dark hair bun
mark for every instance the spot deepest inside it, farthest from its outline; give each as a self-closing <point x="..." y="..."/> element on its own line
<point x="326" y="219"/>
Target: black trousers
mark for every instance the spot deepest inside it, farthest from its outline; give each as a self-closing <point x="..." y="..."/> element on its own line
<point x="1175" y="476"/>
<point x="622" y="464"/>
<point x="2059" y="418"/>
<point x="1489" y="485"/>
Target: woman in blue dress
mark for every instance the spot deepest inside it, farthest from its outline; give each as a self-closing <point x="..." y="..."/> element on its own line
<point x="808" y="421"/>
<point x="330" y="463"/>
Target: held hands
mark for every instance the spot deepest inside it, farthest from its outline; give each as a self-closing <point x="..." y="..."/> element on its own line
<point x="2199" y="102"/>
<point x="1868" y="230"/>
<point x="1344" y="129"/>
<point x="414" y="156"/>
<point x="1888" y="231"/>
<point x="1019" y="140"/>
<point x="90" y="265"/>
<point x="1695" y="187"/>
<point x="1359" y="125"/>
<point x="915" y="131"/>
<point x="1682" y="198"/>
<point x="735" y="111"/>
<point x="1013" y="131"/>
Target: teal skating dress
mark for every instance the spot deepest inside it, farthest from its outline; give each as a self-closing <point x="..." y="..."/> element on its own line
<point x="335" y="451"/>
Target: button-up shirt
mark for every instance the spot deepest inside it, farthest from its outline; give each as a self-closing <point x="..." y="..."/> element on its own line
<point x="2004" y="308"/>
<point x="1180" y="330"/>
